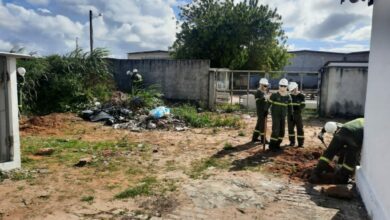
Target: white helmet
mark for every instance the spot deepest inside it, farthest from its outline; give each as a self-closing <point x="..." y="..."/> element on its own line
<point x="263" y="81"/>
<point x="331" y="127"/>
<point x="292" y="86"/>
<point x="283" y="82"/>
<point x="135" y="71"/>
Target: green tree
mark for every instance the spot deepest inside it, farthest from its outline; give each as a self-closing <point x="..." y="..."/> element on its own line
<point x="238" y="36"/>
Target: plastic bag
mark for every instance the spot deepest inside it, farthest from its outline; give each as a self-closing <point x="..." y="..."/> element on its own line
<point x="160" y="112"/>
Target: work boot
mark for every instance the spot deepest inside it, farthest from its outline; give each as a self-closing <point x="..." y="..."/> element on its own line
<point x="342" y="176"/>
<point x="255" y="137"/>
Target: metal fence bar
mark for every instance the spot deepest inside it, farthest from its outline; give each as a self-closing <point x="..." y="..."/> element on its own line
<point x="247" y="92"/>
<point x="231" y="89"/>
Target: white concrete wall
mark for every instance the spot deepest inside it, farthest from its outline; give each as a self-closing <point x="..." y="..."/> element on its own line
<point x="343" y="91"/>
<point x="373" y="177"/>
<point x="14" y="122"/>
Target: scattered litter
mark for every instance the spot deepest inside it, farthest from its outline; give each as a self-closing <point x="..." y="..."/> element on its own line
<point x="44" y="152"/>
<point x="160" y="112"/>
<point x="123" y="118"/>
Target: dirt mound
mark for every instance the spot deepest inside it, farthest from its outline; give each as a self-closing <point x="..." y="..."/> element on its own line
<point x="49" y="124"/>
<point x="295" y="162"/>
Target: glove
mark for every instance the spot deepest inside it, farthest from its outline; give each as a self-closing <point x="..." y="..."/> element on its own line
<point x="321" y="136"/>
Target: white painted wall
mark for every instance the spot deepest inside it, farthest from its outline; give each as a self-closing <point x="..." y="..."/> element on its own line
<point x="14" y="122"/>
<point x="373" y="177"/>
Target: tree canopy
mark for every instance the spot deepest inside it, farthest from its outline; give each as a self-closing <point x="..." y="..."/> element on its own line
<point x="244" y="35"/>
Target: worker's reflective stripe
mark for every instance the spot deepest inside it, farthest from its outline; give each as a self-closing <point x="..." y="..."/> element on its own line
<point x="324" y="159"/>
<point x="278" y="103"/>
<point x="256" y="131"/>
<point x="257" y="99"/>
<point x="291" y="135"/>
<point x="280" y="138"/>
<point x="274" y="139"/>
<point x="300" y="136"/>
<point x="348" y="167"/>
<point x="261" y="133"/>
<point x="296" y="104"/>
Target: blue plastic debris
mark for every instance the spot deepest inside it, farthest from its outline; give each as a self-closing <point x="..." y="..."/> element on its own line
<point x="160" y="112"/>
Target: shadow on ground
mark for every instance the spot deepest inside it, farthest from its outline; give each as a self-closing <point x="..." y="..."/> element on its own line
<point x="347" y="208"/>
<point x="254" y="160"/>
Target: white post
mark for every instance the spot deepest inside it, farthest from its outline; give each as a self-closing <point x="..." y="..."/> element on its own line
<point x="13" y="115"/>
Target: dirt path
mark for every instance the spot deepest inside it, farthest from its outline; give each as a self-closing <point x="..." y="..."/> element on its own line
<point x="195" y="174"/>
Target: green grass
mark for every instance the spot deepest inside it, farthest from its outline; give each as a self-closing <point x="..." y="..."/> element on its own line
<point x="228" y="146"/>
<point x="241" y="134"/>
<point x="144" y="188"/>
<point x="228" y="108"/>
<point x="88" y="199"/>
<point x="308" y="114"/>
<point x="198" y="167"/>
<point x="189" y="114"/>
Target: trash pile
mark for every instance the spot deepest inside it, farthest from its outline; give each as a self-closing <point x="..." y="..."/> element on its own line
<point x="135" y="119"/>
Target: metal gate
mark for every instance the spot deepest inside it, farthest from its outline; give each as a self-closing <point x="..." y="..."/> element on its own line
<point x="5" y="151"/>
<point x="237" y="87"/>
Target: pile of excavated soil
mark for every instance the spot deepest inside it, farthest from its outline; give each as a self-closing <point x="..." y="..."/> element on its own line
<point x="295" y="162"/>
<point x="50" y="124"/>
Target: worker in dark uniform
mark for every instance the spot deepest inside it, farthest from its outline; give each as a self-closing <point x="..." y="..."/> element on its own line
<point x="294" y="118"/>
<point x="262" y="111"/>
<point x="347" y="141"/>
<point x="280" y="104"/>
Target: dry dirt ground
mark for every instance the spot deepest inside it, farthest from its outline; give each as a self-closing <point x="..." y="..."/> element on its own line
<point x="212" y="173"/>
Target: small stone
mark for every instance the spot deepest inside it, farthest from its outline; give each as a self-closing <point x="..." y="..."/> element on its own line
<point x="151" y="125"/>
<point x="44" y="152"/>
<point x="83" y="161"/>
<point x="245" y="116"/>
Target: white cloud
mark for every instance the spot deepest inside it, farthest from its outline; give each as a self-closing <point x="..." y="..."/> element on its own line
<point x="347" y="48"/>
<point x="325" y="19"/>
<point x="44" y="10"/>
<point x="5" y="45"/>
<point x="360" y="34"/>
<point x="125" y="25"/>
<point x="38" y="2"/>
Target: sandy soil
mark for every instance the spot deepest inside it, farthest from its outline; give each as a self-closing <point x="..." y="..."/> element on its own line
<point x="251" y="183"/>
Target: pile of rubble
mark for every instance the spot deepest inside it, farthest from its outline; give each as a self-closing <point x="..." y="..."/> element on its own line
<point x="135" y="119"/>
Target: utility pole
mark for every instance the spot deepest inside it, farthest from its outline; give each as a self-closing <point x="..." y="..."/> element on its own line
<point x="77" y="43"/>
<point x="90" y="31"/>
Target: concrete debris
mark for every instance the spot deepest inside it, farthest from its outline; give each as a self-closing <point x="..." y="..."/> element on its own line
<point x="44" y="152"/>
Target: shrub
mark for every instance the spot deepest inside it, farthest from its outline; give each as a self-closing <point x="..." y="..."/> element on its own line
<point x="65" y="83"/>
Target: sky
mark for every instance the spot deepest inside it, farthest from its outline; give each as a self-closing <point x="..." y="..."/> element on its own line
<point x="52" y="26"/>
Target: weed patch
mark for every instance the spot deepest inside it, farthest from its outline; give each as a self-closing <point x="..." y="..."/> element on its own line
<point x="198" y="167"/>
<point x="189" y="114"/>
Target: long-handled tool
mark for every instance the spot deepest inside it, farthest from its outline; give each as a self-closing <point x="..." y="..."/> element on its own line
<point x="320" y="136"/>
<point x="265" y="132"/>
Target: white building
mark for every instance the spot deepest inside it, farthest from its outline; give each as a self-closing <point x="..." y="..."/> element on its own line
<point x="373" y="177"/>
<point x="9" y="121"/>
